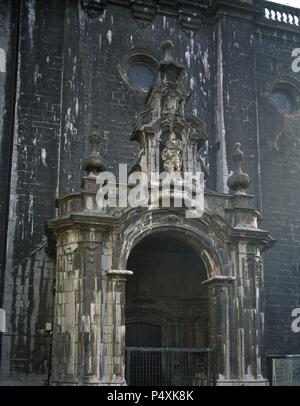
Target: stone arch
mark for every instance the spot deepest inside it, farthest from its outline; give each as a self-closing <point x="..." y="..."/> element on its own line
<point x="167" y="289"/>
<point x="173" y="226"/>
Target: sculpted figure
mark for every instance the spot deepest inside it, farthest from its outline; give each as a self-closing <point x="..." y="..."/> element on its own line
<point x="172" y="154"/>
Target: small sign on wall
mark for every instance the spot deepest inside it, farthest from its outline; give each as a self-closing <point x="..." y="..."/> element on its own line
<point x="2" y="321"/>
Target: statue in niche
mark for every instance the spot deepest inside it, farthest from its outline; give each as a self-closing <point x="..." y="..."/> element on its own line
<point x="172" y="154"/>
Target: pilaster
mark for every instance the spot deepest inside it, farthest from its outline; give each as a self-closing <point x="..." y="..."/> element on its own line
<point x="114" y="328"/>
<point x="219" y="288"/>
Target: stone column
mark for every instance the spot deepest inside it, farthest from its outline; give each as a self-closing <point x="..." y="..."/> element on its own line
<point x="89" y="319"/>
<point x="247" y="243"/>
<point x="256" y="310"/>
<point x="219" y="288"/>
<point x="89" y="311"/>
<point x="249" y="315"/>
<point x="114" y="328"/>
<point x="78" y="307"/>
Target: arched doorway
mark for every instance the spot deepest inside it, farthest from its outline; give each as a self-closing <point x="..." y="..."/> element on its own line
<point x="167" y="317"/>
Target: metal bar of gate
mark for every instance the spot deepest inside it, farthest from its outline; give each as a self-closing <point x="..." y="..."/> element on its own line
<point x="170" y="366"/>
<point x="128" y="369"/>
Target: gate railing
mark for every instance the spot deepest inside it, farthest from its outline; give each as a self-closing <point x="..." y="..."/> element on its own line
<point x="159" y="366"/>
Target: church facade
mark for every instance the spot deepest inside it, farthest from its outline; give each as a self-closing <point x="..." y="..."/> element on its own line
<point x="100" y="98"/>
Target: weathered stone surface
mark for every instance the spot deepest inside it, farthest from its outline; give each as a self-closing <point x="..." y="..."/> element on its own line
<point x="67" y="79"/>
<point x="230" y="246"/>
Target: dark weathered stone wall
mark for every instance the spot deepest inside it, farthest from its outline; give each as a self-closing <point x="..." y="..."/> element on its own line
<point x="8" y="47"/>
<point x="280" y="184"/>
<point x="8" y="42"/>
<point x="68" y="80"/>
<point x="235" y="41"/>
<point x="33" y="182"/>
<point x="95" y="93"/>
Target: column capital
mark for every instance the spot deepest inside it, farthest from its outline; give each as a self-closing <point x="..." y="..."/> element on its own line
<point x="219" y="280"/>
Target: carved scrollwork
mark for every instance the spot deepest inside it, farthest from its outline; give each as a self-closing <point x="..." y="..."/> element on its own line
<point x="257" y="263"/>
<point x="69" y="251"/>
<point x="259" y="268"/>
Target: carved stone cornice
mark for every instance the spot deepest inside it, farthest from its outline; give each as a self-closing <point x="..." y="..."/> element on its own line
<point x="94" y="8"/>
<point x="144" y="12"/>
<point x="257" y="236"/>
<point x="188" y="12"/>
<point x="81" y="221"/>
<point x="190" y="18"/>
<point x="191" y="13"/>
<point x="246" y="8"/>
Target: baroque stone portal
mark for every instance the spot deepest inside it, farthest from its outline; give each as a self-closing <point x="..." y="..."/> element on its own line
<point x="94" y="247"/>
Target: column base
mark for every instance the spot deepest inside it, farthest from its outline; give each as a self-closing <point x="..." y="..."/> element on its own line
<point x="242" y="382"/>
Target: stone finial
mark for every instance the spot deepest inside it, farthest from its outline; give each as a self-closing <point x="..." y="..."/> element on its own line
<point x="93" y="163"/>
<point x="238" y="181"/>
<point x="170" y="70"/>
<point x="167" y="47"/>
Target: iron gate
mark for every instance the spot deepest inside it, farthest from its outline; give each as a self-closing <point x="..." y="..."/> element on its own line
<point x="154" y="366"/>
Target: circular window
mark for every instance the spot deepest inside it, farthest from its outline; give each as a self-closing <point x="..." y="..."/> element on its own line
<point x="285" y="97"/>
<point x="283" y="100"/>
<point x="138" y="68"/>
<point x="140" y="76"/>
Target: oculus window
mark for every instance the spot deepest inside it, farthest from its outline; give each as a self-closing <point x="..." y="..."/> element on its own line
<point x="283" y="101"/>
<point x="285" y="97"/>
<point x="138" y="68"/>
<point x="140" y="75"/>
